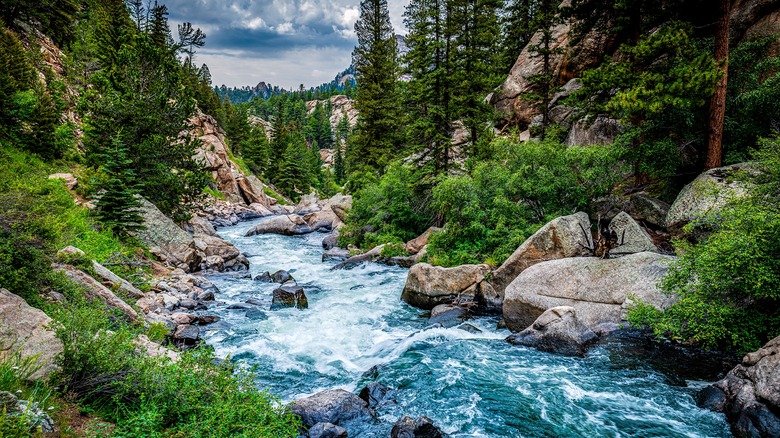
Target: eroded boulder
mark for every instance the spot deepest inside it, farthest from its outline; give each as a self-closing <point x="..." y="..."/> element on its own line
<point x="600" y="290"/>
<point x="428" y="286"/>
<point x="566" y="236"/>
<point x="557" y="330"/>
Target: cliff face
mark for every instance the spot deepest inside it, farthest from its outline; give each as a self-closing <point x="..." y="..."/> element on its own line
<point x="228" y="176"/>
<point x="749" y="19"/>
<point x="341" y="105"/>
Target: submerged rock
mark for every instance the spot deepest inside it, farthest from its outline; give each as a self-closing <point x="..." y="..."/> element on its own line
<point x="421" y="427"/>
<point x="265" y="277"/>
<point x="289" y="296"/>
<point x="448" y="315"/>
<point x="557" y="330"/>
<point x="335" y="254"/>
<point x="281" y="276"/>
<point x="375" y="394"/>
<point x="330" y="241"/>
<point x="330" y="406"/>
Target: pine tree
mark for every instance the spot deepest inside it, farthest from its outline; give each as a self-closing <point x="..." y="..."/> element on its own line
<point x="118" y="204"/>
<point x="339" y="169"/>
<point x="375" y="59"/>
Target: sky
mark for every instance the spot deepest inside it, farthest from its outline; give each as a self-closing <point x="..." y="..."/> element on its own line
<point x="282" y="42"/>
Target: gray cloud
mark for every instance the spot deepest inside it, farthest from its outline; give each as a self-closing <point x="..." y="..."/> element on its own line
<point x="290" y="41"/>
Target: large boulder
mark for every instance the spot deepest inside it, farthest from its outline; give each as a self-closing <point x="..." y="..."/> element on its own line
<point x="750" y="393"/>
<point x="428" y="286"/>
<point x="649" y="210"/>
<point x="341" y="204"/>
<point x="418" y="243"/>
<point x="631" y="237"/>
<point x="324" y="220"/>
<point x="566" y="236"/>
<point x="95" y="290"/>
<point x="308" y="204"/>
<point x="709" y="192"/>
<point x="289" y="296"/>
<point x="593" y="131"/>
<point x="333" y="406"/>
<point x="170" y="242"/>
<point x="601" y="290"/>
<point x="27" y="331"/>
<point x="252" y="190"/>
<point x="289" y="225"/>
<point x="557" y="330"/>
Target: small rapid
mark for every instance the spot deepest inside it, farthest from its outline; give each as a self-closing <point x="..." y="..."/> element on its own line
<point x="468" y="380"/>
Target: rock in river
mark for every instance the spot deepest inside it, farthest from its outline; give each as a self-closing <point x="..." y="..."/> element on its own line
<point x="428" y="286"/>
<point x="289" y="225"/>
<point x="289" y="296"/>
<point x="330" y="406"/>
<point x="557" y="330"/>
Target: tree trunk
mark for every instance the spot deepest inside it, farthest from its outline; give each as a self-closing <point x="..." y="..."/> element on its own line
<point x="718" y="100"/>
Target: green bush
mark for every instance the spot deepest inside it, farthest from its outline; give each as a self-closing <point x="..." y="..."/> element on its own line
<point x="387" y="211"/>
<point x="491" y="212"/>
<point x="147" y="396"/>
<point x="728" y="286"/>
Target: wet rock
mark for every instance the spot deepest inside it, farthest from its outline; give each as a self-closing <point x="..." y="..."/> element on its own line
<point x="371" y="255"/>
<point x="335" y="254"/>
<point x="557" y="330"/>
<point x="330" y="406"/>
<point x="187" y="334"/>
<point x="206" y="319"/>
<point x="375" y="394"/>
<point x="466" y="327"/>
<point x="631" y="237"/>
<point x="322" y="221"/>
<point x="27" y="330"/>
<point x="415" y="245"/>
<point x="448" y="315"/>
<point x="749" y="395"/>
<point x="240" y="306"/>
<point x="206" y="296"/>
<point x="421" y="427"/>
<point x="281" y="277"/>
<point x="254" y="302"/>
<point x="327" y="430"/>
<point x="560" y="238"/>
<point x="330" y="241"/>
<point x="289" y="225"/>
<point x="289" y="296"/>
<point x="265" y="277"/>
<point x="428" y="286"/>
<point x="597" y="288"/>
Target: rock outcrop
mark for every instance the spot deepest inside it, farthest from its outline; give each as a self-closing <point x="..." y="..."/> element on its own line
<point x="27" y="331"/>
<point x="428" y="286"/>
<point x="557" y="330"/>
<point x="709" y="192"/>
<point x="418" y="243"/>
<point x="600" y="290"/>
<point x="340" y="106"/>
<point x="750" y="394"/>
<point x="562" y="237"/>
<point x="95" y="290"/>
<point x="334" y="406"/>
<point x="593" y="131"/>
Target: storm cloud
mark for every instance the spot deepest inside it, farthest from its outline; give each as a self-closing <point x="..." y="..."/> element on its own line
<point x="284" y="42"/>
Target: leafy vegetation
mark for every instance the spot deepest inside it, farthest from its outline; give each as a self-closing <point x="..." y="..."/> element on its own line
<point x="727" y="285"/>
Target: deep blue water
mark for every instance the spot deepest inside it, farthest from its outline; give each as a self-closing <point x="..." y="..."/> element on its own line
<point x="470" y="384"/>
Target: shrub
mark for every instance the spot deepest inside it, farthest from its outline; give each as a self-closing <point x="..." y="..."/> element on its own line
<point x="728" y="286"/>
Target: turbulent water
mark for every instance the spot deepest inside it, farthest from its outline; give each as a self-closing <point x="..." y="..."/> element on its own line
<point x="471" y="383"/>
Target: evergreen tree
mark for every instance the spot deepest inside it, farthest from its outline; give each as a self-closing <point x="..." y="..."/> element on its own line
<point x="255" y="150"/>
<point x="517" y="30"/>
<point x="339" y="169"/>
<point x="118" y="204"/>
<point x="375" y="59"/>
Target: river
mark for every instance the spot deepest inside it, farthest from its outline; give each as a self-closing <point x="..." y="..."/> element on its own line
<point x="470" y="382"/>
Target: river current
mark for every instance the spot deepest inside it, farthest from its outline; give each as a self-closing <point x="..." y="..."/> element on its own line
<point x="467" y="379"/>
